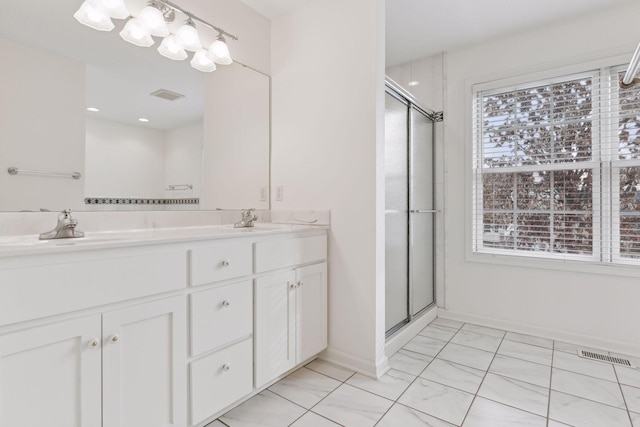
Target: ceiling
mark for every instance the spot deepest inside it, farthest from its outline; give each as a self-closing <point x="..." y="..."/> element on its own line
<point x="419" y="28"/>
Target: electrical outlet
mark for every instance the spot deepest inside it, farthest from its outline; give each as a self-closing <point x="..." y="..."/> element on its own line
<point x="279" y="193"/>
<point x="263" y="194"/>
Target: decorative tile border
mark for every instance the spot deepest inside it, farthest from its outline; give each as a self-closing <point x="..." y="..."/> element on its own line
<point x="114" y="201"/>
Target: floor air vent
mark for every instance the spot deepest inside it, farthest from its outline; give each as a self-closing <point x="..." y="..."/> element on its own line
<point x="605" y="358"/>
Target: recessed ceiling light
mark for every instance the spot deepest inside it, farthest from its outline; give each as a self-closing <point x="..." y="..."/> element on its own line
<point x="143" y="120"/>
<point x="93" y="109"/>
<point x="414" y="83"/>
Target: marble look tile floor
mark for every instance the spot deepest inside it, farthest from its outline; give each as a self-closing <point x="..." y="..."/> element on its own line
<point x="454" y="374"/>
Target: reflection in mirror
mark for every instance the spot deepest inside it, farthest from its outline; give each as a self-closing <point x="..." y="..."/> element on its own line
<point x="164" y="136"/>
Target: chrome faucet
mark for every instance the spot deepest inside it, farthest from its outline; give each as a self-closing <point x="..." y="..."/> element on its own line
<point x="65" y="229"/>
<point x="247" y="220"/>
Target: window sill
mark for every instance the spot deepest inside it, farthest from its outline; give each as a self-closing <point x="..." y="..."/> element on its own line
<point x="567" y="265"/>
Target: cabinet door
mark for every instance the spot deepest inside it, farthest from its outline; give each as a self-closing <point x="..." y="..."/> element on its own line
<point x="50" y="375"/>
<point x="311" y="311"/>
<point x="144" y="365"/>
<point x="274" y="326"/>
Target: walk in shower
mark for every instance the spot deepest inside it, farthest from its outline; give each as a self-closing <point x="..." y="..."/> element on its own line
<point x="409" y="208"/>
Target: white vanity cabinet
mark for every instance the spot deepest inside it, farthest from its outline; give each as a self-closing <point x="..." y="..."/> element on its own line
<point x="51" y="375"/>
<point x="124" y="368"/>
<point x="290" y="306"/>
<point x="166" y="334"/>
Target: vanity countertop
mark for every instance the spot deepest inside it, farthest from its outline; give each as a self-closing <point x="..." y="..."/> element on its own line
<point x="31" y="245"/>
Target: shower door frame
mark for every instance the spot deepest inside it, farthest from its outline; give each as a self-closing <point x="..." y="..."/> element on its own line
<point x="400" y="94"/>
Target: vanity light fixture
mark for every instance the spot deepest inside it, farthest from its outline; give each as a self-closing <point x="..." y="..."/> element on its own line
<point x="171" y="48"/>
<point x="154" y="20"/>
<point x="203" y="61"/>
<point x="220" y="51"/>
<point x="134" y="32"/>
<point x="93" y="17"/>
<point x="116" y="9"/>
<point x="188" y="36"/>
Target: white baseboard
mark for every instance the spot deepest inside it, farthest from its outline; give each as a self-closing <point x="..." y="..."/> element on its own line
<point x="555" y="334"/>
<point x="365" y="367"/>
<point x="406" y="334"/>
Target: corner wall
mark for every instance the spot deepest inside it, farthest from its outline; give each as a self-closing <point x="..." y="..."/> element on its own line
<point x="596" y="309"/>
<point x="328" y="113"/>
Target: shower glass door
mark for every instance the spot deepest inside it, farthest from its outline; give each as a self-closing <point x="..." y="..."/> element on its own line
<point x="410" y="212"/>
<point x="397" y="212"/>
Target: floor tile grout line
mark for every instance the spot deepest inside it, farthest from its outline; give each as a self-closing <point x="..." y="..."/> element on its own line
<point x="624" y="399"/>
<point x="586" y="375"/>
<point x="475" y="396"/>
<point x="425" y="368"/>
<point x="329" y="394"/>
<point x="553" y="353"/>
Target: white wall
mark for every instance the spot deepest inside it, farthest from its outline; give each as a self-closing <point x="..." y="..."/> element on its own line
<point x="327" y="131"/>
<point x="183" y="159"/>
<point x="124" y="160"/>
<point x="41" y="128"/>
<point x="423" y="78"/>
<point x="601" y="309"/>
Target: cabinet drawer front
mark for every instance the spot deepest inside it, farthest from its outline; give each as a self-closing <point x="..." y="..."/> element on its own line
<point x="285" y="253"/>
<point x="220" y="379"/>
<point x="47" y="290"/>
<point x="221" y="315"/>
<point x="218" y="263"/>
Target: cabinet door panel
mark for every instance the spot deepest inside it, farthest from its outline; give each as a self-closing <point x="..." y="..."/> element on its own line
<point x="274" y="326"/>
<point x="50" y="375"/>
<point x="311" y="311"/>
<point x="144" y="365"/>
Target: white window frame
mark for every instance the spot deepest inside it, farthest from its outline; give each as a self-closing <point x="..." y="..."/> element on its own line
<point x="606" y="218"/>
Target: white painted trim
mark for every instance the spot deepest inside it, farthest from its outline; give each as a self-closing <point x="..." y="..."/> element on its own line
<point x="555" y="334"/>
<point x="362" y="366"/>
<point x="406" y="334"/>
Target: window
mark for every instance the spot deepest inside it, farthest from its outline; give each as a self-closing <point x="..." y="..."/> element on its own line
<point x="556" y="168"/>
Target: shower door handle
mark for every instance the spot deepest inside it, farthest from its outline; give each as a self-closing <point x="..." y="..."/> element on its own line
<point x="423" y="211"/>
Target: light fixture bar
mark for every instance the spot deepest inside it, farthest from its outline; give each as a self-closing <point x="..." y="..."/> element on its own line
<point x="629" y="77"/>
<point x="192" y="16"/>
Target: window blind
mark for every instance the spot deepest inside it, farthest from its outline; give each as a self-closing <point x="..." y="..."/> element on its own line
<point x="556" y="168"/>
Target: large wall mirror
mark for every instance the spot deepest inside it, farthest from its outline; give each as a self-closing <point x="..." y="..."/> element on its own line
<point x="203" y="142"/>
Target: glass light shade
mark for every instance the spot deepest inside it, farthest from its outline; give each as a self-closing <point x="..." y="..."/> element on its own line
<point x="188" y="36"/>
<point x="93" y="17"/>
<point x="203" y="61"/>
<point x="153" y="20"/>
<point x="172" y="49"/>
<point x="116" y="9"/>
<point x="136" y="33"/>
<point x="220" y="52"/>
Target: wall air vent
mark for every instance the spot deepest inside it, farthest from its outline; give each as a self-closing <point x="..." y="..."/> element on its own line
<point x="167" y="94"/>
<point x="605" y="358"/>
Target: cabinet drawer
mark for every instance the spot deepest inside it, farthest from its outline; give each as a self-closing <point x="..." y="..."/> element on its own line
<point x="221" y="315"/>
<point x="47" y="290"/>
<point x="220" y="379"/>
<point x="286" y="253"/>
<point x="218" y="263"/>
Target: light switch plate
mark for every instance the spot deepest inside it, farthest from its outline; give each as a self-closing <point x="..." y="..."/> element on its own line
<point x="279" y="193"/>
<point x="263" y="194"/>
